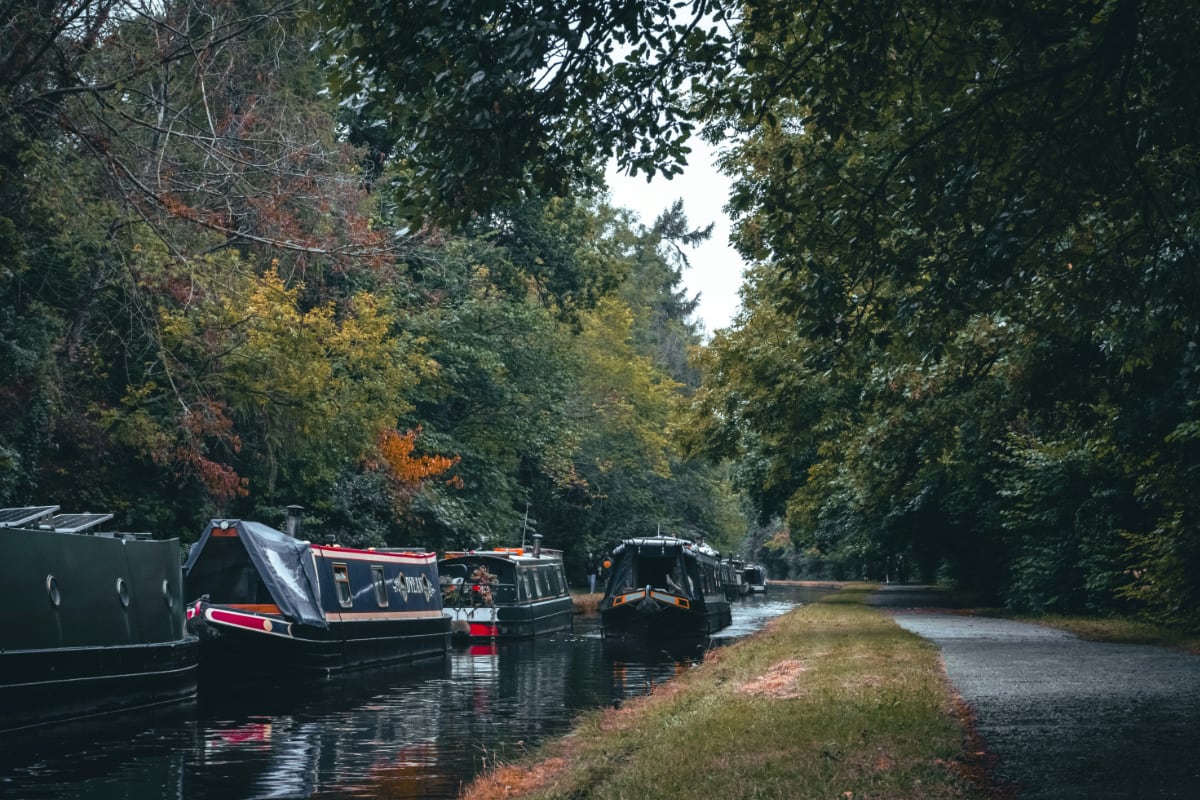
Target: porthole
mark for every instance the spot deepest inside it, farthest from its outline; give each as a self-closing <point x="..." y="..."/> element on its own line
<point x="52" y="591"/>
<point x="168" y="598"/>
<point x="123" y="592"/>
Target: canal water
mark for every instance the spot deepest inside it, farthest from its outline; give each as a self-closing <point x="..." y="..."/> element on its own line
<point x="402" y="732"/>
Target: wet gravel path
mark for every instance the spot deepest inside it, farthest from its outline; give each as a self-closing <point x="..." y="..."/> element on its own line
<point x="1067" y="718"/>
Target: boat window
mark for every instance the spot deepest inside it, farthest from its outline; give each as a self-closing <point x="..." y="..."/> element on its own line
<point x="341" y="581"/>
<point x="661" y="572"/>
<point x="381" y="593"/>
<point x="526" y="586"/>
<point x="539" y="583"/>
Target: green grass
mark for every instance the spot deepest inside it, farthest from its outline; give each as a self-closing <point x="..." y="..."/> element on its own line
<point x="832" y="700"/>
<point x="1113" y="629"/>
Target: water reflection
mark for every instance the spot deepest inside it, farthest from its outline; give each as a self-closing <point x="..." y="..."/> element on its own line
<point x="395" y="732"/>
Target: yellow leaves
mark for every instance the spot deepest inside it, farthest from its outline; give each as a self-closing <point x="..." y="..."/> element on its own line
<point x="625" y="390"/>
<point x="312" y="387"/>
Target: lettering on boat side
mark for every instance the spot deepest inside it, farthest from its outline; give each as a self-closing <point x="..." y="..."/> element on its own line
<point x="419" y="584"/>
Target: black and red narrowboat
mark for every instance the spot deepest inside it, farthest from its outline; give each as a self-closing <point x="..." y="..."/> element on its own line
<point x="506" y="592"/>
<point x="266" y="603"/>
<point x="91" y="622"/>
<point x="664" y="587"/>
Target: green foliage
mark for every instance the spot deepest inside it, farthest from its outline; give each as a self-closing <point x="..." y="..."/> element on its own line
<point x="1062" y="512"/>
<point x="491" y="101"/>
<point x="212" y="305"/>
<point x="975" y="228"/>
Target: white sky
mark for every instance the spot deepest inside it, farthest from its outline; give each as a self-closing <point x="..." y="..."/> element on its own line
<point x="716" y="271"/>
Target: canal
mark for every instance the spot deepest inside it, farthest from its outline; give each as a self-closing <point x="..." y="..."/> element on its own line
<point x="400" y="732"/>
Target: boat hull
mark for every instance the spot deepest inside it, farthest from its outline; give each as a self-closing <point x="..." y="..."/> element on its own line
<point x="260" y="645"/>
<point x="659" y="616"/>
<point x="49" y="687"/>
<point x="512" y="621"/>
<point x="90" y="624"/>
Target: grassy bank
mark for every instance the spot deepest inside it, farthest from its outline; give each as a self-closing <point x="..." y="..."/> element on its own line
<point x="1112" y="629"/>
<point x="832" y="700"/>
<point x="586" y="604"/>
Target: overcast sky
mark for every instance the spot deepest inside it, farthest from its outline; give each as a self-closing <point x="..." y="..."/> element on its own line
<point x="716" y="272"/>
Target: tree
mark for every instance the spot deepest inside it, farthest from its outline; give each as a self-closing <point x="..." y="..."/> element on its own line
<point x="152" y="155"/>
<point x="981" y="217"/>
<point x="494" y="101"/>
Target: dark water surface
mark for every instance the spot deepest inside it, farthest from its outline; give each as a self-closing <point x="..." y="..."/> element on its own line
<point x="402" y="732"/>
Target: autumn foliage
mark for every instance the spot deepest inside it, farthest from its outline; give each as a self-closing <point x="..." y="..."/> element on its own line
<point x="407" y="472"/>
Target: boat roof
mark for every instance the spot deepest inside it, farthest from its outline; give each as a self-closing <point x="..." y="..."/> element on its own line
<point x="47" y="518"/>
<point x="517" y="555"/>
<point x="667" y="542"/>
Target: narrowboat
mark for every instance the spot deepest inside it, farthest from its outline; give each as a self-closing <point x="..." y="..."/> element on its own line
<point x="91" y="622"/>
<point x="268" y="604"/>
<point x="664" y="587"/>
<point x="732" y="581"/>
<point x="507" y="592"/>
<point x="756" y="578"/>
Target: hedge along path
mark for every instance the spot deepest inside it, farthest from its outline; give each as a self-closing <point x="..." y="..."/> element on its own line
<point x="832" y="700"/>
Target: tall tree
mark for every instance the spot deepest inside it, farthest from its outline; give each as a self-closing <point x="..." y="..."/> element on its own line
<point x="983" y="216"/>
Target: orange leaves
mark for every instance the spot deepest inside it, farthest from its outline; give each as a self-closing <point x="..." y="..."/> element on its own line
<point x="208" y="420"/>
<point x="409" y="471"/>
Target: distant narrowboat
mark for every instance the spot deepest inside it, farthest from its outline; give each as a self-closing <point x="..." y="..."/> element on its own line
<point x="664" y="587"/>
<point x="267" y="603"/>
<point x="756" y="578"/>
<point x="90" y="622"/>
<point x="508" y="592"/>
<point x="732" y="581"/>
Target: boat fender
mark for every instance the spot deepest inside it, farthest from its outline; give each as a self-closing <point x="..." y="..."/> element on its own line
<point x="460" y="629"/>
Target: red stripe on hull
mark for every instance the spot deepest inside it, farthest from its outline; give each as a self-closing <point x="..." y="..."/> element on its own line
<point x="243" y="620"/>
<point x="482" y="630"/>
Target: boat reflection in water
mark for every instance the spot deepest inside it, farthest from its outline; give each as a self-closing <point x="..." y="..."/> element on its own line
<point x="387" y="732"/>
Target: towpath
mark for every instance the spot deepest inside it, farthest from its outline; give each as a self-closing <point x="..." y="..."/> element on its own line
<point x="1067" y="718"/>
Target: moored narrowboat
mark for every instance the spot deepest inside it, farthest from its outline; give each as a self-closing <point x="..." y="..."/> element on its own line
<point x="756" y="578"/>
<point x="267" y="603"/>
<point x="91" y="622"/>
<point x="507" y="592"/>
<point x="664" y="587"/>
<point x="732" y="581"/>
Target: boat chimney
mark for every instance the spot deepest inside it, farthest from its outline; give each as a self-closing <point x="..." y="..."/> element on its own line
<point x="537" y="545"/>
<point x="295" y="521"/>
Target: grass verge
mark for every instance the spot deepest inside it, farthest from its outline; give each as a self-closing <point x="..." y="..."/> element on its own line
<point x="1111" y="629"/>
<point x="832" y="700"/>
<point x="586" y="604"/>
